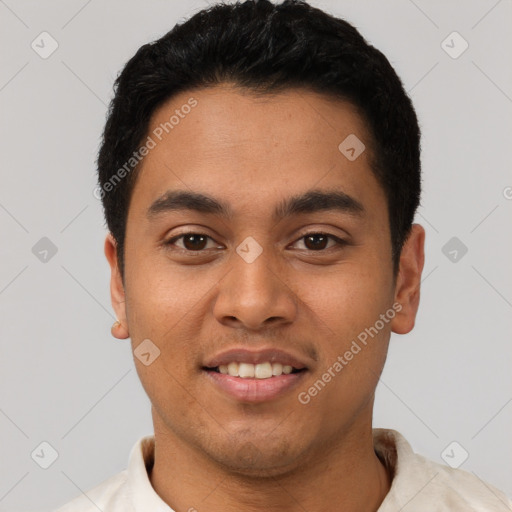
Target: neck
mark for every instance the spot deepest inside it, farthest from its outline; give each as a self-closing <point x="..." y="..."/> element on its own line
<point x="346" y="473"/>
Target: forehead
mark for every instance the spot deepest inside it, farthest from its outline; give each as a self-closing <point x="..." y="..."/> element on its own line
<point x="245" y="149"/>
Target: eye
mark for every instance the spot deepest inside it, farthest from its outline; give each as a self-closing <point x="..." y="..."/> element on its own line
<point x="191" y="241"/>
<point x="315" y="241"/>
<point x="197" y="242"/>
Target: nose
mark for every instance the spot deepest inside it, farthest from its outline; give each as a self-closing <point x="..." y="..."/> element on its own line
<point x="254" y="295"/>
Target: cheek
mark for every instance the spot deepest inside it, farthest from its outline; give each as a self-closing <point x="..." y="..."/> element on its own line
<point x="161" y="296"/>
<point x="352" y="335"/>
<point x="166" y="310"/>
<point x="347" y="301"/>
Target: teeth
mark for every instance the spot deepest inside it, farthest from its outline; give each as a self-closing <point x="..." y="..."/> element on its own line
<point x="277" y="368"/>
<point x="233" y="369"/>
<point x="258" y="371"/>
<point x="263" y="371"/>
<point x="245" y="370"/>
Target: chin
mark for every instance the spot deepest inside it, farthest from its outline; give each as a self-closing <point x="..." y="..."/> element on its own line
<point x="247" y="460"/>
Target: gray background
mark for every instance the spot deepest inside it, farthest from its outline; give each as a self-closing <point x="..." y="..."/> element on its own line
<point x="66" y="381"/>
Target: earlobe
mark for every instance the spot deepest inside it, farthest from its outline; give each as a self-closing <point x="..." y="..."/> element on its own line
<point x="117" y="295"/>
<point x="119" y="330"/>
<point x="407" y="290"/>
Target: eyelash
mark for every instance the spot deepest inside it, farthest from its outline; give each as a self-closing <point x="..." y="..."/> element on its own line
<point x="339" y="242"/>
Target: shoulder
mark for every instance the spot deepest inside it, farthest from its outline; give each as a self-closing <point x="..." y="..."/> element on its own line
<point x="110" y="494"/>
<point x="126" y="491"/>
<point x="457" y="489"/>
<point x="421" y="484"/>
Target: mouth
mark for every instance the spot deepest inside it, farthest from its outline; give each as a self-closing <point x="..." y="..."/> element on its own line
<point x="254" y="377"/>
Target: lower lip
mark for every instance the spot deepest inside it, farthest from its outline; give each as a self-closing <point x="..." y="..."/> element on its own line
<point x="255" y="390"/>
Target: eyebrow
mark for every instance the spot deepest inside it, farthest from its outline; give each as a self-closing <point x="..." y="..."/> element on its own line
<point x="309" y="202"/>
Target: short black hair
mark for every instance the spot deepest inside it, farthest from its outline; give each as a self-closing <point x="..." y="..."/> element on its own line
<point x="265" y="48"/>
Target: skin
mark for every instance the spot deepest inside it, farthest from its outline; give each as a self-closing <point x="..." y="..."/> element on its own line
<point x="212" y="452"/>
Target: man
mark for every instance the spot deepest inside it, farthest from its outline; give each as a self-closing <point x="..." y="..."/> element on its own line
<point x="260" y="172"/>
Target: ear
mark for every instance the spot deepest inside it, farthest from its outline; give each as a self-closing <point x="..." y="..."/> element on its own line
<point x="407" y="288"/>
<point x="117" y="295"/>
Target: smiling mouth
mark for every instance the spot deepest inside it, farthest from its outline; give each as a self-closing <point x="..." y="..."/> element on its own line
<point x="265" y="370"/>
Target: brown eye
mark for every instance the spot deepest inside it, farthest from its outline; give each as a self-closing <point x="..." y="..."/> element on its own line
<point x="190" y="241"/>
<point x="316" y="241"/>
<point x="319" y="241"/>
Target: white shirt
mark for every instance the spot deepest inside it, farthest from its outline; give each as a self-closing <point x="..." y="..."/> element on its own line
<point x="418" y="485"/>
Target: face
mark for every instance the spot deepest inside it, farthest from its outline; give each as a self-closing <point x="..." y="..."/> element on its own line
<point x="248" y="275"/>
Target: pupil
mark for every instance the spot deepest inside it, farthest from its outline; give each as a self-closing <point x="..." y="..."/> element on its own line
<point x="195" y="246"/>
<point x="316" y="245"/>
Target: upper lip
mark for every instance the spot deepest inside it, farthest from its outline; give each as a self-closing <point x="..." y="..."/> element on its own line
<point x="243" y="355"/>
